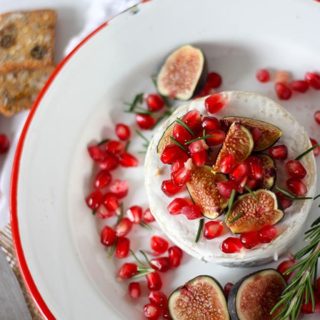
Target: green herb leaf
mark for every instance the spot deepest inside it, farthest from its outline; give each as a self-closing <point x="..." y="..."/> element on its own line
<point x="230" y="203"/>
<point x="307" y="151"/>
<point x="145" y="225"/>
<point x="291" y="195"/>
<point x="138" y="99"/>
<point x="237" y="217"/>
<point x="204" y="137"/>
<point x="178" y="143"/>
<point x="178" y="120"/>
<point x="201" y="222"/>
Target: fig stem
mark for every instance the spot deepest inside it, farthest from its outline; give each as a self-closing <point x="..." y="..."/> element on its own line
<point x="307" y="151"/>
<point x="201" y="222"/>
<point x="178" y="120"/>
<point x="178" y="143"/>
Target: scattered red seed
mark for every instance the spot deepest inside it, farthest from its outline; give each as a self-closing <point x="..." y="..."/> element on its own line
<point x="214" y="103"/>
<point x="108" y="236"/>
<point x="111" y="202"/>
<point x="263" y="75"/>
<point x="154" y="102"/>
<point x="123" y="131"/>
<point x="307" y="307"/>
<point x="296" y="186"/>
<point x="122" y="248"/>
<point x="313" y="79"/>
<point x="249" y="239"/>
<point x="158" y="298"/>
<point x="94" y="200"/>
<point x="317" y="116"/>
<point x="147" y="216"/>
<point x="176" y="205"/>
<point x="197" y="146"/>
<point x="134" y="290"/>
<point x="256" y="168"/>
<point x="119" y="188"/>
<point x="145" y="121"/>
<point x="152" y="311"/>
<point x="227" y="288"/>
<point x="240" y="172"/>
<point x="115" y="147"/>
<point x="102" y="179"/>
<point x="191" y="212"/>
<point x="176" y="166"/>
<point x="199" y="159"/>
<point x="216" y="137"/>
<point x="283" y="91"/>
<point x="161" y="264"/>
<point x="134" y="214"/>
<point x="175" y="256"/>
<point x="295" y="169"/>
<point x="316" y="151"/>
<point x="282" y="76"/>
<point x="227" y="163"/>
<point x="279" y="152"/>
<point x="267" y="234"/>
<point x="170" y="188"/>
<point x="127" y="159"/>
<point x="103" y="213"/>
<point x="158" y="244"/>
<point x="284" y="266"/>
<point x="193" y="120"/>
<point x="210" y="123"/>
<point x="154" y="281"/>
<point x="225" y="188"/>
<point x="127" y="270"/>
<point x="181" y="134"/>
<point x="96" y="153"/>
<point x="214" y="80"/>
<point x="110" y="162"/>
<point x="231" y="245"/>
<point x="181" y="176"/>
<point x="299" y="86"/>
<point x="284" y="201"/>
<point x="212" y="229"/>
<point x="123" y="227"/>
<point x="173" y="153"/>
<point x="4" y="143"/>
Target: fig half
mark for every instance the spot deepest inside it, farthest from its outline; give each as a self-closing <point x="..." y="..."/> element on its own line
<point x="253" y="211"/>
<point x="254" y="296"/>
<point x="182" y="73"/>
<point x="200" y="298"/>
<point x="204" y="192"/>
<point x="267" y="133"/>
<point x="269" y="171"/>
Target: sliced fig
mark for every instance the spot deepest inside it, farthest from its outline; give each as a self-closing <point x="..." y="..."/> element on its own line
<point x="238" y="143"/>
<point x="200" y="298"/>
<point x="254" y="296"/>
<point x="204" y="192"/>
<point x="269" y="171"/>
<point x="182" y="73"/>
<point x="165" y="139"/>
<point x="266" y="133"/>
<point x="253" y="211"/>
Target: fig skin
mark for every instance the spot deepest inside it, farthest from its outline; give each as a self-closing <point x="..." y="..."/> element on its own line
<point x="270" y="171"/>
<point x="165" y="139"/>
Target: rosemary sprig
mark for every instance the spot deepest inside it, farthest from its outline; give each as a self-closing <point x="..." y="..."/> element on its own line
<point x="230" y="203"/>
<point x="145" y="225"/>
<point x="178" y="120"/>
<point x="307" y="151"/>
<point x="250" y="191"/>
<point x="204" y="137"/>
<point x="178" y="143"/>
<point x="304" y="274"/>
<point x="137" y="100"/>
<point x="146" y="143"/>
<point x="291" y="195"/>
<point x="201" y="222"/>
<point x="237" y="217"/>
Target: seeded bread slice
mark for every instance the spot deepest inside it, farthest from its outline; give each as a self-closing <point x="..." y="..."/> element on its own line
<point x="19" y="89"/>
<point x="27" y="39"/>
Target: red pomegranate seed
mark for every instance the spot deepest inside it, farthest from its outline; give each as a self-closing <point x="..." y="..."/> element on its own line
<point x="197" y="146"/>
<point x="225" y="188"/>
<point x="240" y="172"/>
<point x="123" y="131"/>
<point x="134" y="214"/>
<point x="227" y="288"/>
<point x="181" y="134"/>
<point x="134" y="290"/>
<point x="284" y="201"/>
<point x="313" y="79"/>
<point x="295" y="169"/>
<point x="212" y="229"/>
<point x="256" y="168"/>
<point x="299" y="86"/>
<point x="263" y="75"/>
<point x="267" y="234"/>
<point x="147" y="216"/>
<point x="122" y="248"/>
<point x="216" y="137"/>
<point x="191" y="212"/>
<point x="159" y="244"/>
<point x="115" y="147"/>
<point x="317" y="116"/>
<point x="158" y="298"/>
<point x="176" y="166"/>
<point x="111" y="202"/>
<point x="249" y="239"/>
<point x="94" y="200"/>
<point x="193" y="120"/>
<point x="214" y="103"/>
<point x="284" y="266"/>
<point x="283" y="91"/>
<point x="210" y="123"/>
<point x="103" y="213"/>
<point x="307" y="307"/>
<point x="102" y="179"/>
<point x="127" y="270"/>
<point x="176" y="205"/>
<point x="316" y="151"/>
<point x="231" y="245"/>
<point x="151" y="311"/>
<point x="123" y="227"/>
<point x="145" y="121"/>
<point x="170" y="188"/>
<point x="256" y="134"/>
<point x="206" y="89"/>
<point x="214" y="80"/>
<point x="181" y="176"/>
<point x="154" y="102"/>
<point x="108" y="236"/>
<point x="173" y="153"/>
<point x="119" y="188"/>
<point x="279" y="152"/>
<point x="296" y="186"/>
<point x="227" y="163"/>
<point x="160" y="264"/>
<point x="199" y="158"/>
<point x="175" y="256"/>
<point x="5" y="143"/>
<point x="154" y="281"/>
<point x="96" y="153"/>
<point x="109" y="163"/>
<point x="127" y="159"/>
<point x="252" y="184"/>
<point x="282" y="76"/>
<point x="165" y="311"/>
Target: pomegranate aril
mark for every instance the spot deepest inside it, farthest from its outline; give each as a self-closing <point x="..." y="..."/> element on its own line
<point x="214" y="103"/>
<point x="123" y="131"/>
<point x="284" y="201"/>
<point x="160" y="264"/>
<point x="181" y="176"/>
<point x="158" y="298"/>
<point x="158" y="244"/>
<point x="173" y="153"/>
<point x="102" y="212"/>
<point x="134" y="214"/>
<point x="170" y="188"/>
<point x="192" y="212"/>
<point x="111" y="202"/>
<point x="115" y="147"/>
<point x="295" y="169"/>
<point x="5" y="143"/>
<point x="110" y="162"/>
<point x="239" y="172"/>
<point x="127" y="159"/>
<point x="166" y="312"/>
<point x="227" y="163"/>
<point x="154" y="102"/>
<point x="176" y="166"/>
<point x="296" y="186"/>
<point x="134" y="290"/>
<point x="119" y="188"/>
<point x="216" y="137"/>
<point x="123" y="227"/>
<point x="145" y="121"/>
<point x="267" y="234"/>
<point x="225" y="188"/>
<point x="252" y="183"/>
<point x="212" y="229"/>
<point x="127" y="270"/>
<point x="249" y="239"/>
<point x="299" y="86"/>
<point x="283" y="91"/>
<point x="152" y="311"/>
<point x="176" y="205"/>
<point x="284" y="266"/>
<point x="231" y="245"/>
<point x="193" y="120"/>
<point x="122" y="248"/>
<point x="197" y="146"/>
<point x="154" y="281"/>
<point x="175" y="256"/>
<point x="279" y="152"/>
<point x="96" y="153"/>
<point x="307" y="307"/>
<point x="210" y="123"/>
<point x="108" y="236"/>
<point x="263" y="75"/>
<point x="227" y="288"/>
<point x="256" y="168"/>
<point x="206" y="89"/>
<point x="94" y="200"/>
<point x="316" y="151"/>
<point x="317" y="116"/>
<point x="199" y="158"/>
<point x="102" y="179"/>
<point x="214" y="80"/>
<point x="147" y="216"/>
<point x="282" y="76"/>
<point x="313" y="79"/>
<point x="181" y="134"/>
